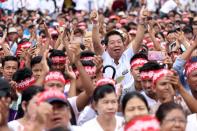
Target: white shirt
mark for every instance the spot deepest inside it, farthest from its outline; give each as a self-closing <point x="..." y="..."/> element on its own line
<point x="32" y="5"/>
<point x="168" y="6"/>
<point x="47" y="5"/>
<point x="151" y="102"/>
<point x="15" y="126"/>
<point x="122" y="69"/>
<point x="191" y="122"/>
<point x="87" y="114"/>
<point x="151" y="5"/>
<point x="193" y="5"/>
<point x="93" y="125"/>
<point x="73" y="103"/>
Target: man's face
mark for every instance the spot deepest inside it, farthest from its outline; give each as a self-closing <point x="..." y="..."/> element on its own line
<point x="164" y="90"/>
<point x="12" y="36"/>
<point x="55" y="84"/>
<point x="58" y="67"/>
<point x="9" y="69"/>
<point x="20" y="31"/>
<point x="192" y="81"/>
<point x="147" y="86"/>
<point x="37" y="70"/>
<point x="115" y="46"/>
<point x="136" y="74"/>
<point x="60" y="116"/>
<point x="171" y="37"/>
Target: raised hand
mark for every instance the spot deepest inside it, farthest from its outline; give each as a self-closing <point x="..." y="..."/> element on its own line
<point x="70" y="72"/>
<point x="94" y="17"/>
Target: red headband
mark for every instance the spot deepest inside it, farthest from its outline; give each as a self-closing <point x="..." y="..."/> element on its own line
<point x="23" y="45"/>
<point x="58" y="59"/>
<point x="143" y="123"/>
<point x="190" y="67"/>
<point x="105" y="81"/>
<point x="138" y="62"/>
<point x="160" y="73"/>
<point x="51" y="93"/>
<point x="150" y="45"/>
<point x="87" y="58"/>
<point x="91" y="70"/>
<point x="144" y="75"/>
<point x="54" y="75"/>
<point x="24" y="84"/>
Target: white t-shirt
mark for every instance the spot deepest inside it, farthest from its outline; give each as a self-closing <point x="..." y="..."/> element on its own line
<point x="87" y="114"/>
<point x="73" y="103"/>
<point x="32" y="5"/>
<point x="168" y="6"/>
<point x="191" y="122"/>
<point x="151" y="102"/>
<point x="122" y="69"/>
<point x="93" y="125"/>
<point x="47" y="6"/>
<point x="151" y="5"/>
<point x="15" y="125"/>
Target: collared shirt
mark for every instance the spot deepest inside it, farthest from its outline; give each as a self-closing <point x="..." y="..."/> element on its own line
<point x="122" y="69"/>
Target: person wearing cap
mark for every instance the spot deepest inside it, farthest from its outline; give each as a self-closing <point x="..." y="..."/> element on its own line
<point x="12" y="39"/>
<point x="61" y="114"/>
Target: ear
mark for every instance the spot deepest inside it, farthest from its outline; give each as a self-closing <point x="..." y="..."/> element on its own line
<point x="94" y="105"/>
<point x="24" y="106"/>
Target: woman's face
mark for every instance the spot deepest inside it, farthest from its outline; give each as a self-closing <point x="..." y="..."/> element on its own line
<point x="107" y="106"/>
<point x="175" y="120"/>
<point x="164" y="90"/>
<point x="135" y="107"/>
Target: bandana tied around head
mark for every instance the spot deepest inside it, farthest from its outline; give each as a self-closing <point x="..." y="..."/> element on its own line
<point x="160" y="73"/>
<point x="138" y="62"/>
<point x="24" y="84"/>
<point x="54" y="75"/>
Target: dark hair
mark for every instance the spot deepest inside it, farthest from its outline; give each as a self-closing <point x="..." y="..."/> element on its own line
<point x="151" y="65"/>
<point x="101" y="91"/>
<point x="171" y="31"/>
<point x="10" y="58"/>
<point x="87" y="54"/>
<point x="113" y="32"/>
<point x="165" y="108"/>
<point x="37" y="60"/>
<point x="84" y="63"/>
<point x="130" y="95"/>
<point x="27" y="95"/>
<point x="22" y="74"/>
<point x="55" y="52"/>
<point x="138" y="55"/>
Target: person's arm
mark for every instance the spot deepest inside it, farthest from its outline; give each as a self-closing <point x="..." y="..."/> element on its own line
<point x="69" y="72"/>
<point x="84" y="97"/>
<point x="45" y="69"/>
<point x="152" y="36"/>
<point x="189" y="100"/>
<point x="136" y="43"/>
<point x="4" y="45"/>
<point x="95" y="34"/>
<point x="186" y="55"/>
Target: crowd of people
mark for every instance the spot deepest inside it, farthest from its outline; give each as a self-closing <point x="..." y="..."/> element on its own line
<point x="117" y="65"/>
